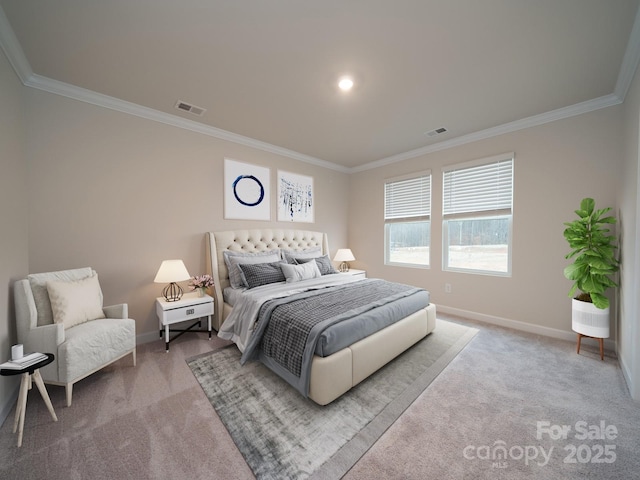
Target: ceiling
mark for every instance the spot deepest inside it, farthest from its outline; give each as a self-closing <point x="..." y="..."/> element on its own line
<point x="267" y="71"/>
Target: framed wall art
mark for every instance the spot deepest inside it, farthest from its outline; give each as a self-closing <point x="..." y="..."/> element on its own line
<point x="246" y="191"/>
<point x="295" y="197"/>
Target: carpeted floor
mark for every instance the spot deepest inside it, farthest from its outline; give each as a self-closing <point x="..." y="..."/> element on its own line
<point x="283" y="435"/>
<point x="154" y="421"/>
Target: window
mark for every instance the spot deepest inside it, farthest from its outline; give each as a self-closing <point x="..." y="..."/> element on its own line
<point x="407" y="220"/>
<point x="477" y="208"/>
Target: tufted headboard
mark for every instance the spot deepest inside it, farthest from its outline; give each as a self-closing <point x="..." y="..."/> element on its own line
<point x="257" y="240"/>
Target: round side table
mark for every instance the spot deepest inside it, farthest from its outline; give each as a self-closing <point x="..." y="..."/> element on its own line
<point x="32" y="371"/>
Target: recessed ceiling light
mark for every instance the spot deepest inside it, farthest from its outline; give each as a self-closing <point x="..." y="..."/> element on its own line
<point x="345" y="84"/>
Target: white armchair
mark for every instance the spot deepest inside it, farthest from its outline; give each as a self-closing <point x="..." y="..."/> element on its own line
<point x="81" y="349"/>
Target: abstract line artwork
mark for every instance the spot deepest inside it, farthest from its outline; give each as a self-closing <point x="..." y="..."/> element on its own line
<point x="246" y="191"/>
<point x="295" y="197"/>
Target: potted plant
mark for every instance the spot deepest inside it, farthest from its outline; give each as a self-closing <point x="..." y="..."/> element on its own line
<point x="594" y="263"/>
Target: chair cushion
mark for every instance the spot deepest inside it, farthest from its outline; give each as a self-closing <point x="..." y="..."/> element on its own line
<point x="38" y="283"/>
<point x="75" y="302"/>
<point x="92" y="345"/>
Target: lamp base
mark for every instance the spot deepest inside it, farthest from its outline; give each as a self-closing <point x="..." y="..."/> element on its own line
<point x="344" y="267"/>
<point x="172" y="292"/>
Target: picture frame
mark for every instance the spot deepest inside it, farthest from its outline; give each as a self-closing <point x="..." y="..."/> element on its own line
<point x="247" y="191"/>
<point x="295" y="197"/>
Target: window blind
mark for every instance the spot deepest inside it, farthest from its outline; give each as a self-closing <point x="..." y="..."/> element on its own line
<point x="408" y="198"/>
<point x="478" y="188"/>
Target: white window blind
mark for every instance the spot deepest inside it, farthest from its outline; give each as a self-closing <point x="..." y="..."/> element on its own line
<point x="478" y="188"/>
<point x="408" y="198"/>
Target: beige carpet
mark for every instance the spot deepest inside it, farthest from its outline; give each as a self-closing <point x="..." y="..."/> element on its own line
<point x="155" y="422"/>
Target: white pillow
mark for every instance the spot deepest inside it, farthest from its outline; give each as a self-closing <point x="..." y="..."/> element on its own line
<point x="296" y="273"/>
<point x="38" y="282"/>
<point x="75" y="302"/>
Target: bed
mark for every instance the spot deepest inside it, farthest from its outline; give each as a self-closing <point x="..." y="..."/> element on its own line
<point x="331" y="375"/>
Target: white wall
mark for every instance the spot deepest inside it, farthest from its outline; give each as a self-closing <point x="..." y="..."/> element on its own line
<point x="629" y="331"/>
<point x="13" y="216"/>
<point x="556" y="165"/>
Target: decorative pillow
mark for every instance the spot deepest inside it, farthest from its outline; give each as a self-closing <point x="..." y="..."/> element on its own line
<point x="232" y="259"/>
<point x="291" y="255"/>
<point x="324" y="264"/>
<point x="257" y="274"/>
<point x="75" y="302"/>
<point x="38" y="283"/>
<point x="296" y="273"/>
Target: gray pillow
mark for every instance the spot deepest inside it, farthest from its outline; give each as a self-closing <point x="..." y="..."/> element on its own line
<point x="291" y="255"/>
<point x="232" y="259"/>
<point x="324" y="264"/>
<point x="258" y="274"/>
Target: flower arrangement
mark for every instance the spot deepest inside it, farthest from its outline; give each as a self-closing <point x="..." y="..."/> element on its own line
<point x="201" y="281"/>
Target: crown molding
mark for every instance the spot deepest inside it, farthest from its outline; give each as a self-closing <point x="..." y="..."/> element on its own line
<point x="88" y="96"/>
<point x="630" y="61"/>
<point x="13" y="50"/>
<point x="552" y="116"/>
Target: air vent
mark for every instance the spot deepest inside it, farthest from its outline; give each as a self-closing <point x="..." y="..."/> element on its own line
<point x="187" y="107"/>
<point x="435" y="132"/>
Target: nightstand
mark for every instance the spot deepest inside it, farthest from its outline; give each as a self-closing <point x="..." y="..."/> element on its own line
<point x="356" y="273"/>
<point x="191" y="306"/>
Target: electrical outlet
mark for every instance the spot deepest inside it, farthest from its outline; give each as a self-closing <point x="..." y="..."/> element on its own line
<point x="447" y="288"/>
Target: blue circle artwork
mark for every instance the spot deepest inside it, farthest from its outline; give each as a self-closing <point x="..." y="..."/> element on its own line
<point x="246" y="192"/>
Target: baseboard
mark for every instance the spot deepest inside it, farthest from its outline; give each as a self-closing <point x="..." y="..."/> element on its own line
<point x="609" y="344"/>
<point x="626" y="373"/>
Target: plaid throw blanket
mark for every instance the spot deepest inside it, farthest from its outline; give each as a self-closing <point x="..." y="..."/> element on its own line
<point x="290" y="324"/>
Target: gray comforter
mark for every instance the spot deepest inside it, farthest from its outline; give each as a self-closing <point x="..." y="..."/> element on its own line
<point x="290" y="330"/>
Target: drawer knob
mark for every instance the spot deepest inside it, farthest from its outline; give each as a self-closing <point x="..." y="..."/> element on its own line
<point x="191" y="311"/>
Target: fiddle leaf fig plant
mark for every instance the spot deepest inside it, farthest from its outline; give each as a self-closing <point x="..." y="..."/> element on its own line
<point x="593" y="252"/>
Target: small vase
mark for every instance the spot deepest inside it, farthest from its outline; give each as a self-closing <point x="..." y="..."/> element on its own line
<point x="201" y="292"/>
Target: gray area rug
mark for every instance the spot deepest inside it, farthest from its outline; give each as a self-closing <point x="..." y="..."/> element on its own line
<point x="283" y="435"/>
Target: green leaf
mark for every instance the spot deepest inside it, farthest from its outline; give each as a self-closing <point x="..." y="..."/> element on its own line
<point x="599" y="300"/>
<point x="587" y="205"/>
<point x="574" y="271"/>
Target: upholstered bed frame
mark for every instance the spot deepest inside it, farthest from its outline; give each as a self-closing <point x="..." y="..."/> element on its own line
<point x="333" y="375"/>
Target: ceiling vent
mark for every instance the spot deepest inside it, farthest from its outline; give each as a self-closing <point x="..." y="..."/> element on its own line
<point x="435" y="132"/>
<point x="186" y="107"/>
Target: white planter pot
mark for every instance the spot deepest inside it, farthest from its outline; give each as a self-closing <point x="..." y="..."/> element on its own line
<point x="589" y="320"/>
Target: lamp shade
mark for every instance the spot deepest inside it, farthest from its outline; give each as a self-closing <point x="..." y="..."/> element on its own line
<point x="172" y="271"/>
<point x="344" y="255"/>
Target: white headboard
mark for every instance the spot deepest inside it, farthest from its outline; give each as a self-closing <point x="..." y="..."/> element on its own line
<point x="257" y="240"/>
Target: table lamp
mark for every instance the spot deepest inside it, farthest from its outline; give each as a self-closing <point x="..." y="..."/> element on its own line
<point x="344" y="255"/>
<point x="172" y="271"/>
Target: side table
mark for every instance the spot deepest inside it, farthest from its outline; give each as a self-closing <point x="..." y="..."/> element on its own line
<point x="190" y="306"/>
<point x="32" y="371"/>
<point x="355" y="273"/>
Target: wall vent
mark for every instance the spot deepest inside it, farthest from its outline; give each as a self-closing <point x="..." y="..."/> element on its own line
<point x="437" y="131"/>
<point x="187" y="107"/>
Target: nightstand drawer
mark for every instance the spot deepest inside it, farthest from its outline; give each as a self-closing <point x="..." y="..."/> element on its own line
<point x="186" y="313"/>
<point x="355" y="273"/>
